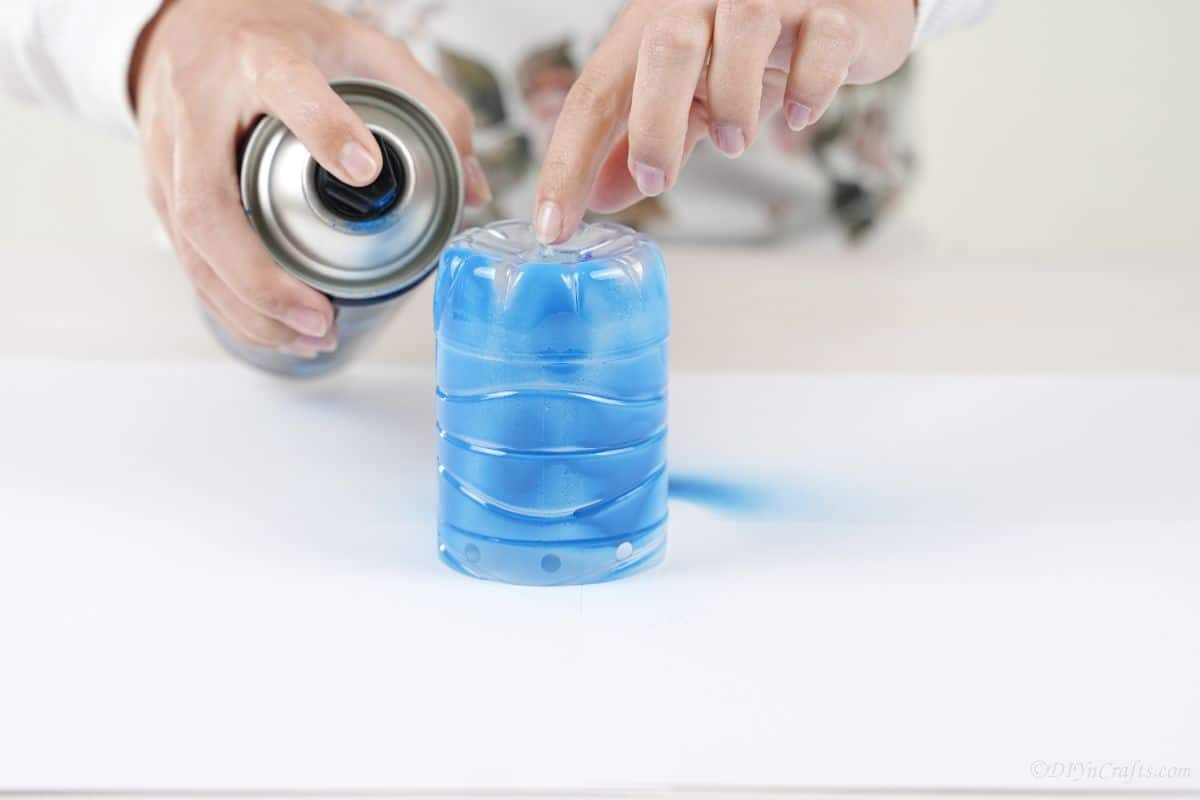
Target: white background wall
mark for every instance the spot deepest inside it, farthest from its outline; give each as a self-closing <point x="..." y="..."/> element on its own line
<point x="1065" y="125"/>
<point x="1058" y="190"/>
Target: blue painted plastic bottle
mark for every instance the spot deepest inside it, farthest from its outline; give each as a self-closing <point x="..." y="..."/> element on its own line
<point x="552" y="404"/>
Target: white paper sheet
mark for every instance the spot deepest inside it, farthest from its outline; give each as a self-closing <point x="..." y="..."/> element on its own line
<point x="213" y="579"/>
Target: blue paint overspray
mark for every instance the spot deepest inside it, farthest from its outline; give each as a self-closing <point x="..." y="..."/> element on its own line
<point x="742" y="497"/>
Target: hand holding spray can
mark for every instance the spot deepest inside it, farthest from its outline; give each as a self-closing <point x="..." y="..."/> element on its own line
<point x="364" y="247"/>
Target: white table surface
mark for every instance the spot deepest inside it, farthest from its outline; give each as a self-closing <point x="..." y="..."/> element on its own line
<point x="211" y="579"/>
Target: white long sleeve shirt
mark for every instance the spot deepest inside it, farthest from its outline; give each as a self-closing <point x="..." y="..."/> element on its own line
<point x="75" y="54"/>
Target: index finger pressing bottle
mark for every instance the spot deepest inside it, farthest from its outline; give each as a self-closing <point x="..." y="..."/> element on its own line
<point x="552" y="404"/>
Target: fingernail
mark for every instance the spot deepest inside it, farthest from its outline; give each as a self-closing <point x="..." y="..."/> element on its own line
<point x="326" y="343"/>
<point x="797" y="115"/>
<point x="294" y="349"/>
<point x="547" y="224"/>
<point x="730" y="140"/>
<point x="478" y="191"/>
<point x="650" y="180"/>
<point x="358" y="163"/>
<point x="307" y="321"/>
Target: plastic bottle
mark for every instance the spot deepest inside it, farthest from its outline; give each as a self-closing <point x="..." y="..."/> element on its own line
<point x="552" y="404"/>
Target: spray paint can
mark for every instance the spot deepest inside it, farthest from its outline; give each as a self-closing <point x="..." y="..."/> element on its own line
<point x="365" y="248"/>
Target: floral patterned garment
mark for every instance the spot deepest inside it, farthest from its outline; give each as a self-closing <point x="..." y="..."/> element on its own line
<point x="514" y="60"/>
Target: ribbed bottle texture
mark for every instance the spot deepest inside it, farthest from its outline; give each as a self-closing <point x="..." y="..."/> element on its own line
<point x="551" y="404"/>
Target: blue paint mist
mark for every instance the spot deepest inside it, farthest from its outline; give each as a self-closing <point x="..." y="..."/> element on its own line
<point x="723" y="494"/>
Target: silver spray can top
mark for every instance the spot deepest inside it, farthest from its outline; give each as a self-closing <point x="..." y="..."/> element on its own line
<point x="357" y="245"/>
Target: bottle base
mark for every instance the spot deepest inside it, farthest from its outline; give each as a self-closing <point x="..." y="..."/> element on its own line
<point x="548" y="563"/>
